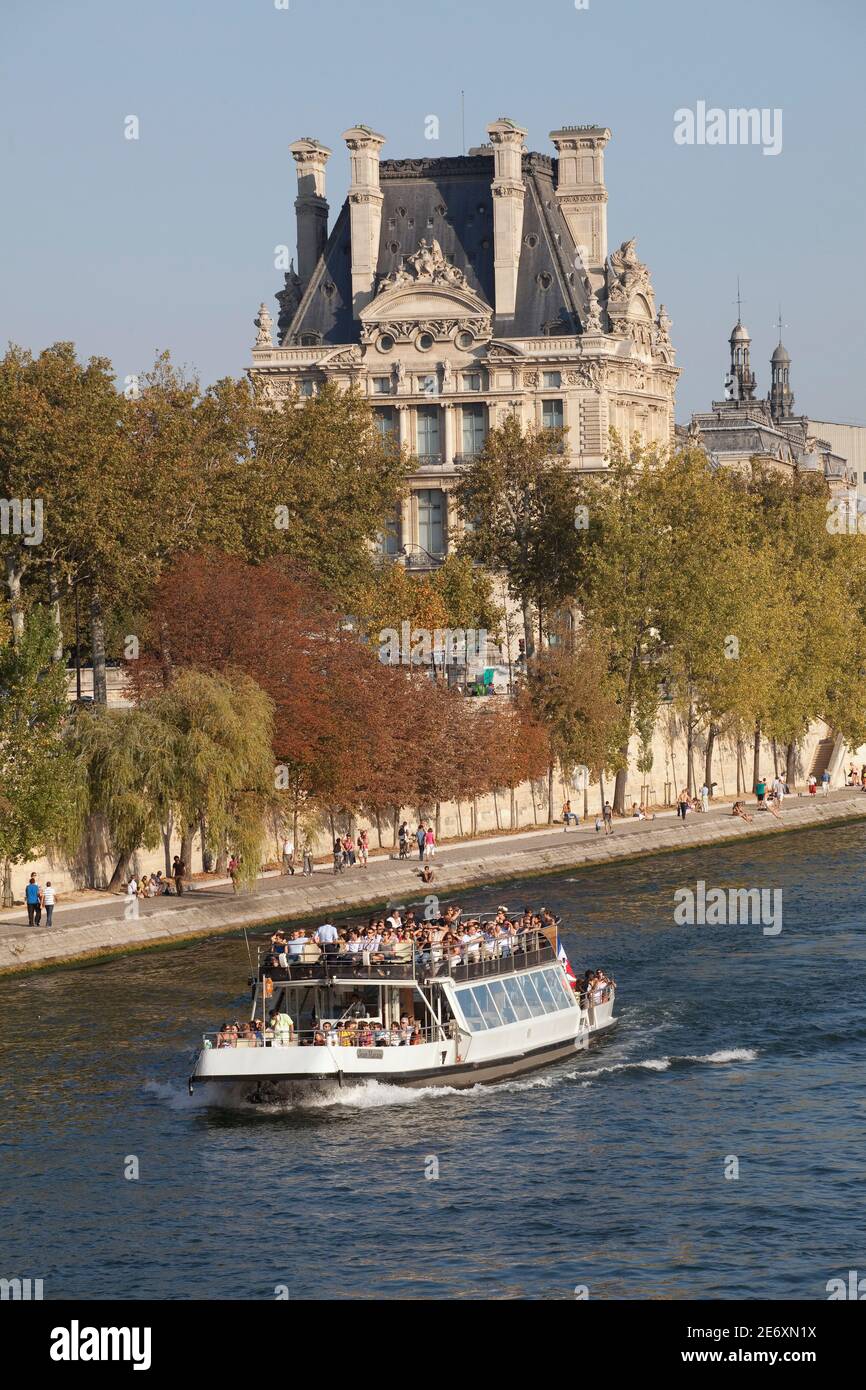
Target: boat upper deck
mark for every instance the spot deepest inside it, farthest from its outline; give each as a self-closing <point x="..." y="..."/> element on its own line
<point x="472" y="959"/>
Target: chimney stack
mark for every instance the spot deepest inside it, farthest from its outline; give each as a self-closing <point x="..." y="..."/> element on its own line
<point x="581" y="193"/>
<point x="365" y="211"/>
<point x="508" y="191"/>
<point x="311" y="206"/>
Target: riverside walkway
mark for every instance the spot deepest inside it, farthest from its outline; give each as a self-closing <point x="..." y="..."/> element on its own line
<point x="99" y="925"/>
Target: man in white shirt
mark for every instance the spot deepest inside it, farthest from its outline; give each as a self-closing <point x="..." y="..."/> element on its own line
<point x="326" y="937"/>
<point x="132" y="888"/>
<point x="288" y="855"/>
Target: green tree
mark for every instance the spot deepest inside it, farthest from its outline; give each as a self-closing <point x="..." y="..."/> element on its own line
<point x="38" y="795"/>
<point x="518" y="501"/>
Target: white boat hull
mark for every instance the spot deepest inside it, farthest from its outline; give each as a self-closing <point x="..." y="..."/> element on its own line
<point x="274" y="1074"/>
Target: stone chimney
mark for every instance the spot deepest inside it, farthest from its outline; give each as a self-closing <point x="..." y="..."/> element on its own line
<point x="508" y="191"/>
<point x="311" y="206"/>
<point x="581" y="193"/>
<point x="365" y="211"/>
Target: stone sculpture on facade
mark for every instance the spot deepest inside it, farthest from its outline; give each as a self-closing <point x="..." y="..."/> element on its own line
<point x="429" y="265"/>
<point x="264" y="323"/>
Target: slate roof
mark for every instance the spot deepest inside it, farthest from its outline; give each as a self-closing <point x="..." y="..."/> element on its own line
<point x="449" y="200"/>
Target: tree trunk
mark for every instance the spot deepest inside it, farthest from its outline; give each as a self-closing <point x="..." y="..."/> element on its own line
<point x="14" y="572"/>
<point x="775" y="758"/>
<point x="8" y="900"/>
<point x="378" y="826"/>
<point x="528" y="631"/>
<point x="396" y="827"/>
<point x="206" y="856"/>
<point x="437" y="820"/>
<point x="550" y="795"/>
<point x="186" y="846"/>
<point x="167" y="830"/>
<point x="474" y="816"/>
<point x="511" y="807"/>
<point x="791" y="763"/>
<point x="741" y="768"/>
<point x="54" y="592"/>
<point x="708" y="758"/>
<point x="601" y="790"/>
<point x="756" y="758"/>
<point x="120" y="869"/>
<point x="97" y="650"/>
<point x="619" y="784"/>
<point x="690" y="750"/>
<point x="496" y="810"/>
<point x="223" y="856"/>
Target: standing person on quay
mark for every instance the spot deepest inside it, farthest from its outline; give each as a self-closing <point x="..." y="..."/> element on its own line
<point x="179" y="871"/>
<point x="308" y="858"/>
<point x="233" y="873"/>
<point x="403" y="838"/>
<point x="33" y="899"/>
<point x="705" y="798"/>
<point x="421" y="839"/>
<point x="825" y="781"/>
<point x="683" y="804"/>
<point x="289" y="855"/>
<point x="429" y="842"/>
<point x="607" y="817"/>
<point x="363" y="848"/>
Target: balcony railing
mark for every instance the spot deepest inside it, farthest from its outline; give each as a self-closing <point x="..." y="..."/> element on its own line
<point x="430" y="460"/>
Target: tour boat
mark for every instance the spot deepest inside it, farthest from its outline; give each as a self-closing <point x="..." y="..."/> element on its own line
<point x="490" y="1013"/>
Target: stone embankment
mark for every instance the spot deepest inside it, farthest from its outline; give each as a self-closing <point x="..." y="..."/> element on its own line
<point x="101" y="927"/>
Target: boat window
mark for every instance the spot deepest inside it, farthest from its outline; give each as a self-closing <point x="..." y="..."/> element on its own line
<point x="544" y="993"/>
<point x="487" y="1006"/>
<point x="536" y="1007"/>
<point x="474" y="1016"/>
<point x="560" y="991"/>
<point x="502" y="1001"/>
<point x="515" y="994"/>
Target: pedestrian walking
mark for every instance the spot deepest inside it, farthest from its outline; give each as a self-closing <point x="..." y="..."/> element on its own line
<point x="825" y="781"/>
<point x="683" y="804"/>
<point x="705" y="797"/>
<point x="339" y="862"/>
<point x="429" y="842"/>
<point x="607" y="817"/>
<point x="421" y="840"/>
<point x="48" y="902"/>
<point x="403" y="839"/>
<point x="363" y="848"/>
<point x="233" y="868"/>
<point x="33" y="899"/>
<point x="288" y="855"/>
<point x="178" y="870"/>
<point x="307" y="852"/>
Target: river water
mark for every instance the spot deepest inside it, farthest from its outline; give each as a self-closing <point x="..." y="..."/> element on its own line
<point x="736" y="1052"/>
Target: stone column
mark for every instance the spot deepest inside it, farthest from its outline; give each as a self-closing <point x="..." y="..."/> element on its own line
<point x="448" y="450"/>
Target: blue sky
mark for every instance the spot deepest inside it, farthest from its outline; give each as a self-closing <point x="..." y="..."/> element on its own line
<point x="127" y="247"/>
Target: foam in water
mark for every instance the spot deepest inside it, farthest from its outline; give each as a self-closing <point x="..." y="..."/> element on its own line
<point x="371" y="1095"/>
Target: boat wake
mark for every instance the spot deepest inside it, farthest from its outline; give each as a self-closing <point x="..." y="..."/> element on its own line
<point x="372" y="1095"/>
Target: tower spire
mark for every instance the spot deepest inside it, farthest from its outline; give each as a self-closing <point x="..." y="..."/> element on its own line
<point x="741" y="377"/>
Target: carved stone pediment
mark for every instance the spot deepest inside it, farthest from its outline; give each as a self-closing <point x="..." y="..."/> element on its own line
<point x="403" y="309"/>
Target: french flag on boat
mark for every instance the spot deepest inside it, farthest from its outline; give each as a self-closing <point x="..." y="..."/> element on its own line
<point x="560" y="951"/>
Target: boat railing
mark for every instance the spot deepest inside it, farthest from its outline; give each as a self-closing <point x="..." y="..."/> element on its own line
<point x="338" y="1036"/>
<point x="461" y="961"/>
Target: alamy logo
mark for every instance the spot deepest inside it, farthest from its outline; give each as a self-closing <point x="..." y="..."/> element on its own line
<point x="720" y="907"/>
<point x="854" y="1289"/>
<point x="19" y="516"/>
<point x="77" y="1343"/>
<point x="20" y="1290"/>
<point x="441" y="646"/>
<point x="739" y="125"/>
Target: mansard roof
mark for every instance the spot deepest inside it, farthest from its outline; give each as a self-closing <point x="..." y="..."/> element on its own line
<point x="450" y="201"/>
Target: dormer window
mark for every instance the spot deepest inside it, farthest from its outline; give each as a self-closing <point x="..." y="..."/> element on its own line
<point x="310" y="339"/>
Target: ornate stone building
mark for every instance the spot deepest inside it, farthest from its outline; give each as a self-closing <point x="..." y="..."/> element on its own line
<point x="456" y="291"/>
<point x="740" y="429"/>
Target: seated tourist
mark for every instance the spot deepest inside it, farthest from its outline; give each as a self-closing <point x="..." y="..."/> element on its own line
<point x="416" y="1036"/>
